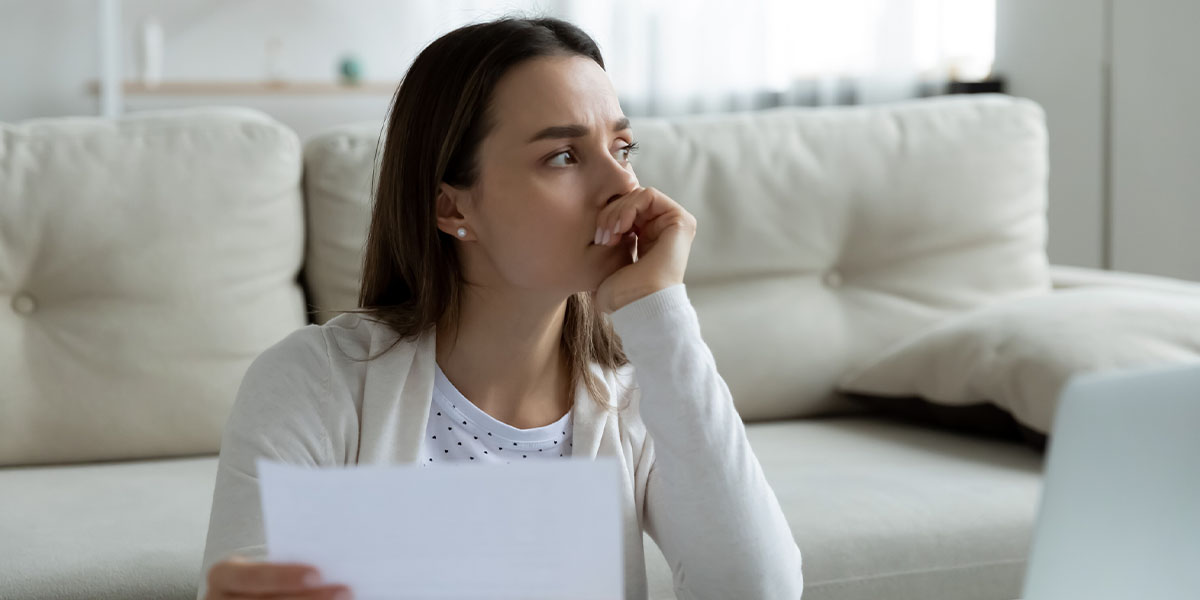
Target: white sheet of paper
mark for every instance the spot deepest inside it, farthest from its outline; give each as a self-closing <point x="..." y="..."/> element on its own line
<point x="544" y="529"/>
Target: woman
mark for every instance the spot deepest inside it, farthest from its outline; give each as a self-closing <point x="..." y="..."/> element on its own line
<point x="513" y="259"/>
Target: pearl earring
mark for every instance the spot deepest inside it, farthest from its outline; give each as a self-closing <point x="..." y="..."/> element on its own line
<point x="462" y="232"/>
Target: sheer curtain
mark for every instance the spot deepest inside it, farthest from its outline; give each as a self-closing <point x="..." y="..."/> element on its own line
<point x="688" y="56"/>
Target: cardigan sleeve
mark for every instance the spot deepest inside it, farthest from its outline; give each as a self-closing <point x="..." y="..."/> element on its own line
<point x="708" y="505"/>
<point x="280" y="413"/>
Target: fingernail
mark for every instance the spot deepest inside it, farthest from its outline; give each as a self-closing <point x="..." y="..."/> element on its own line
<point x="598" y="232"/>
<point x="607" y="236"/>
<point x="312" y="579"/>
<point x="342" y="595"/>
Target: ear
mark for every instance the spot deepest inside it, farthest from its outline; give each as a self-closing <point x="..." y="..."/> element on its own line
<point x="451" y="202"/>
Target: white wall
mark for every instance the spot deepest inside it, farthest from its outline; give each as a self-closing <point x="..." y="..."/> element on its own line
<point x="1133" y="137"/>
<point x="49" y="50"/>
<point x="1156" y="137"/>
<point x="1052" y="52"/>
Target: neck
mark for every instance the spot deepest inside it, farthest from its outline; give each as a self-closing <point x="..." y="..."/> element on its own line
<point x="508" y="357"/>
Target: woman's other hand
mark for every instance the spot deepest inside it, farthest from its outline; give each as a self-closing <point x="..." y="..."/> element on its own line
<point x="237" y="577"/>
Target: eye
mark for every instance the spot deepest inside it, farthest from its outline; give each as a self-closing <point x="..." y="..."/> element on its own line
<point x="567" y="152"/>
<point x="630" y="150"/>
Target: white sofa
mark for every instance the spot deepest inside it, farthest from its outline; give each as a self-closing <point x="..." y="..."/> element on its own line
<point x="144" y="262"/>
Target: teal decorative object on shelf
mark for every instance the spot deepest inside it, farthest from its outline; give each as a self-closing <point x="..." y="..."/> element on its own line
<point x="351" y="70"/>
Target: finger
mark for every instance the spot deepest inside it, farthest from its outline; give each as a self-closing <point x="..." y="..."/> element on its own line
<point x="323" y="593"/>
<point x="654" y="229"/>
<point x="607" y="218"/>
<point x="637" y="211"/>
<point x="651" y="209"/>
<point x="245" y="577"/>
<point x="625" y="219"/>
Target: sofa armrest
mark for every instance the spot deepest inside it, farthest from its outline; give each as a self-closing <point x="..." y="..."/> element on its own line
<point x="1066" y="277"/>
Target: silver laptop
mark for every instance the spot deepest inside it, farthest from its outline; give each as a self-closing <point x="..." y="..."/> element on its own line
<point x="1119" y="514"/>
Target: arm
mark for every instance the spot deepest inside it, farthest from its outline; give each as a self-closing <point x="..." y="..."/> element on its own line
<point x="278" y="415"/>
<point x="708" y="505"/>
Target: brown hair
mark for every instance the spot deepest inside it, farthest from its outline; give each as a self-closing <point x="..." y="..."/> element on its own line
<point x="412" y="275"/>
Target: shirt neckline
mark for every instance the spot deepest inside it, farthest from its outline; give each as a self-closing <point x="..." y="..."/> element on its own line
<point x="454" y="401"/>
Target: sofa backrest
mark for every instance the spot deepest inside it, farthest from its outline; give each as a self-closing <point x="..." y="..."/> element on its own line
<point x="144" y="263"/>
<point x="824" y="234"/>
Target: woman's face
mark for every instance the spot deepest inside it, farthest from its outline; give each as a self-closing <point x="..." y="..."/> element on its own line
<point x="554" y="159"/>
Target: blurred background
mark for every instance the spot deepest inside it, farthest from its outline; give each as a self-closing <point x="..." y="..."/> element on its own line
<point x="1115" y="77"/>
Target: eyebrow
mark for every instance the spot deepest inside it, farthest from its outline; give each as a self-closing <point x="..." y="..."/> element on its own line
<point x="573" y="131"/>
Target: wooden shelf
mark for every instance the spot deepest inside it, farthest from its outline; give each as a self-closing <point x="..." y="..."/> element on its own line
<point x="251" y="88"/>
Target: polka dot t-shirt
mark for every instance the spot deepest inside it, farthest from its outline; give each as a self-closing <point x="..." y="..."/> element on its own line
<point x="459" y="431"/>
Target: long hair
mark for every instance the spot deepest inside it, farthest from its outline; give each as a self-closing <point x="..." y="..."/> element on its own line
<point x="412" y="273"/>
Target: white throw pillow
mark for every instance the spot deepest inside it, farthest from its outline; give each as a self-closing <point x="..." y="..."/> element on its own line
<point x="1018" y="354"/>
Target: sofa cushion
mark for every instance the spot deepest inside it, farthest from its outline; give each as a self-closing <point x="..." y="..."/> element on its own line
<point x="144" y="262"/>
<point x="337" y="190"/>
<point x="824" y="233"/>
<point x="882" y="509"/>
<point x="105" y="531"/>
<point x="1019" y="354"/>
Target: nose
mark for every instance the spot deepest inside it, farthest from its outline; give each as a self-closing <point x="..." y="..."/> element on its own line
<point x="621" y="180"/>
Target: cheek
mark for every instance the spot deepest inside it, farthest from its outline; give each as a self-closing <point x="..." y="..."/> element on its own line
<point x="553" y="211"/>
<point x="541" y="258"/>
<point x="542" y="235"/>
<point x="551" y="236"/>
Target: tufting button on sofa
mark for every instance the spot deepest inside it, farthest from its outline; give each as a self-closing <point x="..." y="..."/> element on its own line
<point x="23" y="303"/>
<point x="832" y="278"/>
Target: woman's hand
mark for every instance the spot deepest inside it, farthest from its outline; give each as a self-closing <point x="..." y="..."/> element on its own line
<point x="663" y="232"/>
<point x="237" y="577"/>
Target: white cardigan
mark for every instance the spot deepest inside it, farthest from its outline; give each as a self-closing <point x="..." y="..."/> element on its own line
<point x="690" y="478"/>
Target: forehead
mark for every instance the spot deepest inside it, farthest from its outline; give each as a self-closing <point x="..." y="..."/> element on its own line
<point x="548" y="91"/>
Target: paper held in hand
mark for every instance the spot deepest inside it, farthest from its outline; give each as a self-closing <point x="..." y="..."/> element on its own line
<point x="546" y="529"/>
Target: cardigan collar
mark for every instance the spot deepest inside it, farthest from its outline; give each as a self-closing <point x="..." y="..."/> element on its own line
<point x="398" y="391"/>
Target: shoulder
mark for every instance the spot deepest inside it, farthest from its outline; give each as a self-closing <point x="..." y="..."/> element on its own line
<point x="283" y="408"/>
<point x="302" y="352"/>
<point x="347" y="335"/>
<point x="351" y="338"/>
<point x="303" y="361"/>
<point x="290" y="384"/>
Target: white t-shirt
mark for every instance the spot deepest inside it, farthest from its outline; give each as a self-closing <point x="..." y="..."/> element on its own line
<point x="458" y="430"/>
